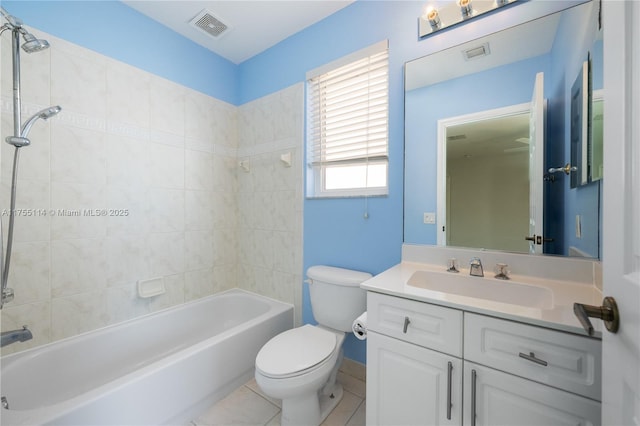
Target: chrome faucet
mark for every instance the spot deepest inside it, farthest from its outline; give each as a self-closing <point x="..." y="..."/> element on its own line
<point x="475" y="267"/>
<point x="13" y="336"/>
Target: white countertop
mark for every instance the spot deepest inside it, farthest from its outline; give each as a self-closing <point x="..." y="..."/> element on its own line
<point x="559" y="317"/>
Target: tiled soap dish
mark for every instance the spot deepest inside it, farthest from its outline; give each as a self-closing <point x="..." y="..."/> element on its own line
<point x="151" y="287"/>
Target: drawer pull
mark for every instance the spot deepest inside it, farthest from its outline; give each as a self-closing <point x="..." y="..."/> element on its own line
<point x="449" y="404"/>
<point x="532" y="357"/>
<point x="406" y="325"/>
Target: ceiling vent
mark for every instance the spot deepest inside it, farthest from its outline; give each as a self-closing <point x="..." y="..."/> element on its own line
<point x="205" y="21"/>
<point x="476" y="52"/>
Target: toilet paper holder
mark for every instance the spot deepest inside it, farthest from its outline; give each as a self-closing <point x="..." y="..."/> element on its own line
<point x="360" y="326"/>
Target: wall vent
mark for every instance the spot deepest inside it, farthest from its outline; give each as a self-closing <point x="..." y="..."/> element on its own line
<point x="476" y="52"/>
<point x="205" y="21"/>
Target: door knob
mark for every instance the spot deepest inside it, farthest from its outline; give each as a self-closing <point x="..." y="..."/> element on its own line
<point x="567" y="169"/>
<point x="608" y="312"/>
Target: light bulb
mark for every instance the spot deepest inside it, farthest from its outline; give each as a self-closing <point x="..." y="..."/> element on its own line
<point x="465" y="8"/>
<point x="431" y="15"/>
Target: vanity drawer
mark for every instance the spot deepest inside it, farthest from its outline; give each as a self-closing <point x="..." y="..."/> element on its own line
<point x="427" y="325"/>
<point x="563" y="360"/>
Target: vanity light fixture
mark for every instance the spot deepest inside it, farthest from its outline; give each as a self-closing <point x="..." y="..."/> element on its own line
<point x="435" y="18"/>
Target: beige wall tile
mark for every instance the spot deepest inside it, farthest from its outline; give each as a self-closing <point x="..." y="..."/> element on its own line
<point x="166" y="157"/>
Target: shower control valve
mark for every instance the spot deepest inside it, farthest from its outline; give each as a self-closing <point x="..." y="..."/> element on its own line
<point x="7" y="295"/>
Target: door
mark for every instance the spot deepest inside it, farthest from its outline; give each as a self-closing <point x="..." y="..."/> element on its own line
<point x="536" y="165"/>
<point x="621" y="210"/>
<point x="495" y="398"/>
<point x="411" y="385"/>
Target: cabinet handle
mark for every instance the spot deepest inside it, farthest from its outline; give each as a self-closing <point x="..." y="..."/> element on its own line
<point x="449" y="404"/>
<point x="532" y="357"/>
<point x="406" y="325"/>
<point x="473" y="397"/>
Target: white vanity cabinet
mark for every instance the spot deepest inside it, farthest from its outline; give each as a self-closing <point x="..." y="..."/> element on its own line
<point x="433" y="365"/>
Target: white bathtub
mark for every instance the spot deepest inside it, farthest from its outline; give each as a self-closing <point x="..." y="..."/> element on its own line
<point x="163" y="368"/>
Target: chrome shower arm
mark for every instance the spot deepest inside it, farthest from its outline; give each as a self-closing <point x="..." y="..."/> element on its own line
<point x="12" y="20"/>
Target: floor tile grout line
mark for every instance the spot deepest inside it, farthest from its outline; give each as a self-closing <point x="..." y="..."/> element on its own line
<point x="271" y="419"/>
<point x="354" y="413"/>
<point x="262" y="396"/>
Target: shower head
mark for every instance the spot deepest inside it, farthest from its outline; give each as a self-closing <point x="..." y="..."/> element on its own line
<point x="22" y="140"/>
<point x="32" y="44"/>
<point x="44" y="114"/>
<point x="47" y="113"/>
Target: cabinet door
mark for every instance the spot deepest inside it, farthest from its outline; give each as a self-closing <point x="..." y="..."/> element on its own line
<point x="411" y="385"/>
<point x="494" y="398"/>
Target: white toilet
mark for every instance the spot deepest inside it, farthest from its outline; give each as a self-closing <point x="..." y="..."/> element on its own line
<point x="300" y="365"/>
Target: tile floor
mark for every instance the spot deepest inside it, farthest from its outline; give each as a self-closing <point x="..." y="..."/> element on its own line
<point x="247" y="405"/>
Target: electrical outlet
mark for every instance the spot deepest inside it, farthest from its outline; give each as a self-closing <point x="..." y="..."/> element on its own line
<point x="429" y="218"/>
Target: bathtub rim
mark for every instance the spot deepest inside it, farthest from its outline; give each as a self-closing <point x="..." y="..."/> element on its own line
<point x="273" y="302"/>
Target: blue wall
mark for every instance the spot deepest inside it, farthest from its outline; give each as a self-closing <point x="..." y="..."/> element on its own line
<point x="335" y="231"/>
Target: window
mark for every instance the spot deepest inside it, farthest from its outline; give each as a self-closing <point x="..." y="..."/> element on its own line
<point x="347" y="125"/>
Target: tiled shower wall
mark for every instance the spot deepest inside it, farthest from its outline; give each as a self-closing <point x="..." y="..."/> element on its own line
<point x="270" y="135"/>
<point x="162" y="160"/>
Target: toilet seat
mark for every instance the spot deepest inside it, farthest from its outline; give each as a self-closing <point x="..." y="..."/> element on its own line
<point x="296" y="351"/>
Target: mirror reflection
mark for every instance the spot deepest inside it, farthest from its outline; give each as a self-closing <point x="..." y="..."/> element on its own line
<point x="484" y="123"/>
<point x="495" y="145"/>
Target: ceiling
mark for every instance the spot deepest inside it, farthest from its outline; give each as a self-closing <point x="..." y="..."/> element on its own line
<point x="253" y="26"/>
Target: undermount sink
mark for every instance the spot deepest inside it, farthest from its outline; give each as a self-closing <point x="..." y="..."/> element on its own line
<point x="491" y="289"/>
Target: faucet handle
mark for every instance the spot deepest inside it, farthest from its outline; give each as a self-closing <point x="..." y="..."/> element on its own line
<point x="452" y="265"/>
<point x="502" y="273"/>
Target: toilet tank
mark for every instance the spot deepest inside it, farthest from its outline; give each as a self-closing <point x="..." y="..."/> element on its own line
<point x="336" y="297"/>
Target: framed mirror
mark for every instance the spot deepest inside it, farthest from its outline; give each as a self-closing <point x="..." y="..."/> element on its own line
<point x="484" y="123"/>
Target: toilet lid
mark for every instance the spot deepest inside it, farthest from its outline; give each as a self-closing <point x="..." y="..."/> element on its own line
<point x="295" y="350"/>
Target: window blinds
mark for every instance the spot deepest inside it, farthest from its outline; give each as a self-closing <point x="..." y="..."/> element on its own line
<point x="348" y="112"/>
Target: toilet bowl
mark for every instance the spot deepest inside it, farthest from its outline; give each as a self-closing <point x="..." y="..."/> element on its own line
<point x="300" y="365"/>
<point x="297" y="367"/>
